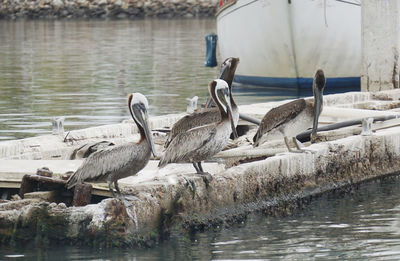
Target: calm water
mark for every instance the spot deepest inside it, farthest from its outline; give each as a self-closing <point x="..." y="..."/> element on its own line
<point x="364" y="225"/>
<point x="84" y="70"/>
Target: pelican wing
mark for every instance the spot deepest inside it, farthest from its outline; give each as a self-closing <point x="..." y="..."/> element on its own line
<point x="279" y="115"/>
<point x="196" y="119"/>
<point x="186" y="144"/>
<point x="102" y="162"/>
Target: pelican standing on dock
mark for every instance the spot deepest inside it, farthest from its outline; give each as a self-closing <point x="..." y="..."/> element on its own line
<point x="110" y="165"/>
<point x="201" y="143"/>
<point x="209" y="115"/>
<point x="291" y="118"/>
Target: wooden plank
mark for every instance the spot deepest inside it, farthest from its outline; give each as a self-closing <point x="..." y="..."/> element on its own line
<point x="386" y="124"/>
<point x="49" y="196"/>
<point x="16" y="183"/>
<point x="98" y="190"/>
<point x="10" y="184"/>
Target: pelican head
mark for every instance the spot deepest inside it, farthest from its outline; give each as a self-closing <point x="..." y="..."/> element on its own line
<point x="219" y="91"/>
<point x="226" y="73"/>
<point x="227" y="70"/>
<point x="138" y="106"/>
<point x="318" y="89"/>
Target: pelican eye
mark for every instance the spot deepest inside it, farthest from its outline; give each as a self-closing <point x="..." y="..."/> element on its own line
<point x="141" y="106"/>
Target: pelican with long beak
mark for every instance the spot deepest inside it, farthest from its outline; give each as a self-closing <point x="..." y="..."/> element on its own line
<point x="210" y="114"/>
<point x="291" y="118"/>
<point x="114" y="163"/>
<point x="201" y="143"/>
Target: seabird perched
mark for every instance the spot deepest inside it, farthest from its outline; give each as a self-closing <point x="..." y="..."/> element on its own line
<point x="117" y="162"/>
<point x="201" y="143"/>
<point x="210" y="114"/>
<point x="291" y="118"/>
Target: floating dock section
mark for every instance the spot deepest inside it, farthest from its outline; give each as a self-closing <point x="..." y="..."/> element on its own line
<point x="244" y="179"/>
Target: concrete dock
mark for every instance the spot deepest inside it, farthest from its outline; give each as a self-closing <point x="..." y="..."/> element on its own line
<point x="244" y="179"/>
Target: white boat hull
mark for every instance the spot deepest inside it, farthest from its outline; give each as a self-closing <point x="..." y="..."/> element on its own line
<point x="282" y="43"/>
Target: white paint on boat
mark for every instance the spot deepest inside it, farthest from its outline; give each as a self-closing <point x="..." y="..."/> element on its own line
<point x="281" y="39"/>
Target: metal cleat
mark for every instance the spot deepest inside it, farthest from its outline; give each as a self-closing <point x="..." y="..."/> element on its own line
<point x="58" y="125"/>
<point x="191" y="104"/>
<point x="367" y="126"/>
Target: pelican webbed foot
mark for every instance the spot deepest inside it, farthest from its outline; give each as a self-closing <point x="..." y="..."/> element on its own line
<point x="198" y="167"/>
<point x="191" y="185"/>
<point x="313" y="138"/>
<point x="289" y="148"/>
<point x="126" y="200"/>
<point x="120" y="196"/>
<point x="206" y="178"/>
<point x="117" y="189"/>
<point x="111" y="189"/>
<point x="298" y="144"/>
<point x="300" y="147"/>
<point x="205" y="175"/>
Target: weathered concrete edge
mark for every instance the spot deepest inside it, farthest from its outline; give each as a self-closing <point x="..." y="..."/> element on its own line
<point x="48" y="146"/>
<point x="274" y="184"/>
<point x="282" y="182"/>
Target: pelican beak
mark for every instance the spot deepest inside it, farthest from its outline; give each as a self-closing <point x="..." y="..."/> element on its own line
<point x="229" y="110"/>
<point x="224" y="70"/>
<point x="140" y="114"/>
<point x="235" y="135"/>
<point x="318" y="89"/>
<point x="149" y="136"/>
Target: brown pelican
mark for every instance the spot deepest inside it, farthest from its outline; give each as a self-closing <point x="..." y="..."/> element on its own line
<point x="291" y="118"/>
<point x="114" y="163"/>
<point x="208" y="115"/>
<point x="203" y="142"/>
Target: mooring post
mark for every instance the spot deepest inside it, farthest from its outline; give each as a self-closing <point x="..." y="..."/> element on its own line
<point x="27" y="186"/>
<point x="82" y="195"/>
<point x="380" y="43"/>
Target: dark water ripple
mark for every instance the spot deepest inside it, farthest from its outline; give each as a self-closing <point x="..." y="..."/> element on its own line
<point x="363" y="225"/>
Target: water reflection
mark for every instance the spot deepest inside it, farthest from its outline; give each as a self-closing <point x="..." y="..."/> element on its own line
<point x="85" y="69"/>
